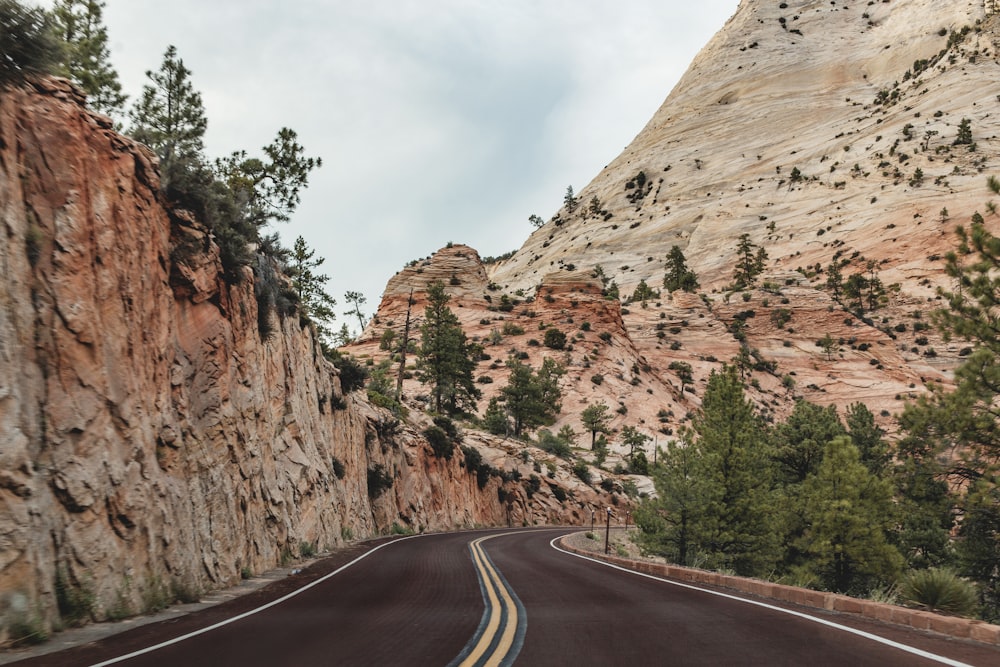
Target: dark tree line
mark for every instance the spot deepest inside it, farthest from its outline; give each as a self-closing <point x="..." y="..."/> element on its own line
<point x="805" y="499"/>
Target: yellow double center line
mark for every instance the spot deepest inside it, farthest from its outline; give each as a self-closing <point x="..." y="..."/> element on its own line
<point x="501" y="631"/>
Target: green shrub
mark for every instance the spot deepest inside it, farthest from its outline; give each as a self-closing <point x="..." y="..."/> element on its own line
<point x="76" y="601"/>
<point x="307" y="549"/>
<point x="25" y="629"/>
<point x="183" y="592"/>
<point x="474" y="463"/>
<point x="511" y="329"/>
<point x="553" y="444"/>
<point x="639" y="465"/>
<point x="441" y="444"/>
<point x="400" y="530"/>
<point x="122" y="606"/>
<point x="33" y="243"/>
<point x="379" y="481"/>
<point x="533" y="486"/>
<point x="582" y="470"/>
<point x="555" y="339"/>
<point x="156" y="595"/>
<point x="338" y="467"/>
<point x="939" y="589"/>
<point x="352" y="374"/>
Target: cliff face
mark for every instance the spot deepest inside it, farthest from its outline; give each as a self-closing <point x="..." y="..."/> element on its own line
<point x="778" y="129"/>
<point x="149" y="438"/>
<point x="827" y="133"/>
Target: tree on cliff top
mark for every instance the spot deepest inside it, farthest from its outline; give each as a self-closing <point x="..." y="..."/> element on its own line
<point x="28" y="43"/>
<point x="79" y="23"/>
<point x="316" y="304"/>
<point x="169" y="116"/>
<point x="269" y="188"/>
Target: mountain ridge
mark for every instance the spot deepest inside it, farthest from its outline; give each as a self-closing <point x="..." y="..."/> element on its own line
<point x="802" y="125"/>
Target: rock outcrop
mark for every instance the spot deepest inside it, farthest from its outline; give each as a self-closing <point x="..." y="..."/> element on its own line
<point x="151" y="443"/>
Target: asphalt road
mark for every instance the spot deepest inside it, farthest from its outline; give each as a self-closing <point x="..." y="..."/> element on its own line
<point x="502" y="597"/>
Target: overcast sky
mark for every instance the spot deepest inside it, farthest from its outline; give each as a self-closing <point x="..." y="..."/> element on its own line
<point x="437" y="120"/>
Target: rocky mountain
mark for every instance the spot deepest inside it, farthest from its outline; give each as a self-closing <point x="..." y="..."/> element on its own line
<point x="839" y="132"/>
<point x="152" y="445"/>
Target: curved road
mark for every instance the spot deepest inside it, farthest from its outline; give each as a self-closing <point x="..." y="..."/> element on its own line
<point x="506" y="597"/>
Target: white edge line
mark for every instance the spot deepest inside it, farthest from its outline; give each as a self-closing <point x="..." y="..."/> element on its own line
<point x="815" y="619"/>
<point x="287" y="596"/>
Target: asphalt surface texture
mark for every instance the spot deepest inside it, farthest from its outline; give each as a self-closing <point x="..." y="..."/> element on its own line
<point x="513" y="598"/>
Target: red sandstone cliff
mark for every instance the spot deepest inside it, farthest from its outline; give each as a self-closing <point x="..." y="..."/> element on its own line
<point x="148" y="437"/>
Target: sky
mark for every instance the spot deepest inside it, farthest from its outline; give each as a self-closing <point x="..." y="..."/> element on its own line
<point x="437" y="120"/>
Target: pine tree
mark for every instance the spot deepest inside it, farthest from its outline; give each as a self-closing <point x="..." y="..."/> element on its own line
<point x="29" y="45"/>
<point x="356" y="299"/>
<point x="979" y="546"/>
<point x="669" y="522"/>
<point x="738" y="528"/>
<point x="868" y="437"/>
<point x="855" y="289"/>
<point x="446" y="358"/>
<point x="801" y="440"/>
<point x="956" y="434"/>
<point x="316" y="304"/>
<point x="643" y="292"/>
<point x="595" y="418"/>
<point x="849" y="512"/>
<point x="270" y="187"/>
<point x="834" y="280"/>
<point x="532" y="398"/>
<point x="80" y="24"/>
<point x="964" y="136"/>
<point x="924" y="504"/>
<point x="799" y="446"/>
<point x="495" y="418"/>
<point x="569" y="199"/>
<point x="684" y="373"/>
<point x="169" y="118"/>
<point x="750" y="262"/>
<point x="678" y="275"/>
<point x="343" y="335"/>
<point x="634" y="439"/>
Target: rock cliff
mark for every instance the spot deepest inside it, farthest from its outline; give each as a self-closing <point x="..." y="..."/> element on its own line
<point x="827" y="132"/>
<point x="152" y="445"/>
